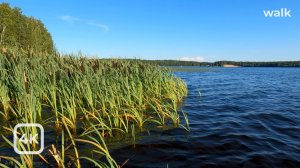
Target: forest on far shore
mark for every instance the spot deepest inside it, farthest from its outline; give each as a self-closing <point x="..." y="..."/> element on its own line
<point x="222" y="63"/>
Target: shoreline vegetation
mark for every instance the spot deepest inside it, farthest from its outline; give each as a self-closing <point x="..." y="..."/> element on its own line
<point x="26" y="33"/>
<point x="84" y="101"/>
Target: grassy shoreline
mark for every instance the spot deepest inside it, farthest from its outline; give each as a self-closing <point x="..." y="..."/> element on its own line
<point x="84" y="101"/>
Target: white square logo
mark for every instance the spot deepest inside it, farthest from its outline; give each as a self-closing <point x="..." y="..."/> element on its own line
<point x="24" y="143"/>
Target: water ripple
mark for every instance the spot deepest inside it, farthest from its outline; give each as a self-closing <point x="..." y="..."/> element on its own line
<point x="239" y="117"/>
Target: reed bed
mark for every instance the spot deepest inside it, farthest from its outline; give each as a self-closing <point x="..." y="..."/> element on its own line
<point x="84" y="101"/>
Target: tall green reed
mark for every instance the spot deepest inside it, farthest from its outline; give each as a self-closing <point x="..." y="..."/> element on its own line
<point x="85" y="97"/>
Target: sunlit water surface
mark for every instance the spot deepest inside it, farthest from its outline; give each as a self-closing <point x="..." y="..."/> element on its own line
<point x="239" y="117"/>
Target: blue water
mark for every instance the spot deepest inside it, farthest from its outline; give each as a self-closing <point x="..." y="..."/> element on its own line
<point x="239" y="117"/>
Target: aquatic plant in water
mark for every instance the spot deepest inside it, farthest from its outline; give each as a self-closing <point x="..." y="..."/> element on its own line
<point x="84" y="101"/>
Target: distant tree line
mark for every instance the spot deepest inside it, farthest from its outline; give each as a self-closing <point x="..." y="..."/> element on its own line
<point x="222" y="63"/>
<point x="26" y="33"/>
<point x="259" y="64"/>
<point x="177" y="63"/>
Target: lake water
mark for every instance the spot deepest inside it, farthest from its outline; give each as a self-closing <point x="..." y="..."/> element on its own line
<point x="239" y="117"/>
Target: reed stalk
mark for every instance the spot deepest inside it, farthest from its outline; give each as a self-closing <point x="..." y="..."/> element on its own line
<point x="85" y="101"/>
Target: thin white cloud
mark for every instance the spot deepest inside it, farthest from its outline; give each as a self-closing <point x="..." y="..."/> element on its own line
<point x="68" y="18"/>
<point x="72" y="19"/>
<point x="196" y="59"/>
<point x="101" y="26"/>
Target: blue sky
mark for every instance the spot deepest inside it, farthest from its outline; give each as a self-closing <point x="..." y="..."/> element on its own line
<point x="203" y="30"/>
